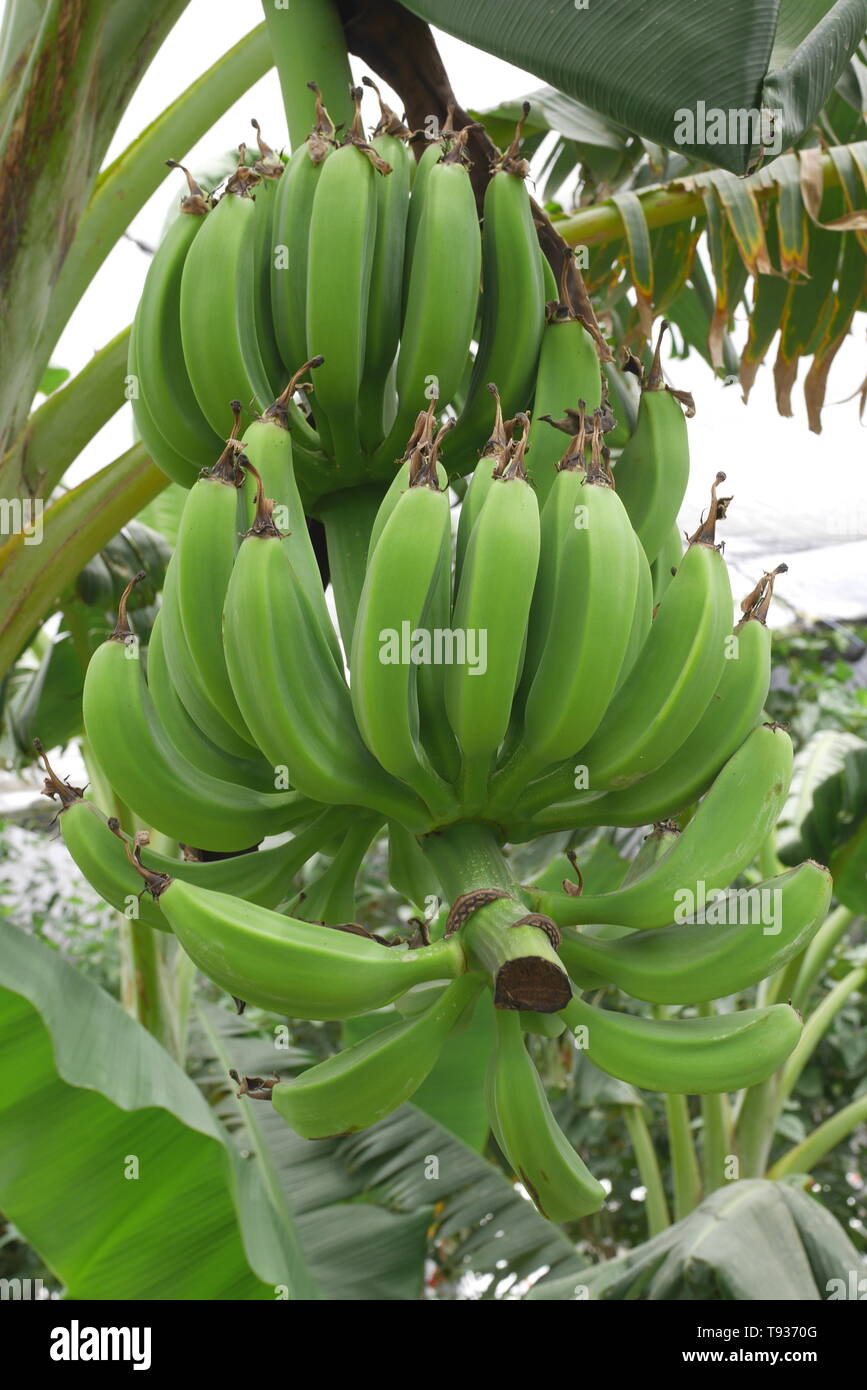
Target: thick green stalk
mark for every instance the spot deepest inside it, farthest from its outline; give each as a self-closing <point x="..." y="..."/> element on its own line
<point x="307" y="45"/>
<point x="658" y="1217"/>
<point x="804" y="1156"/>
<point x="348" y="518"/>
<point x="58" y="430"/>
<point x="716" y="1133"/>
<point x="684" y="1164"/>
<point x="716" y="1140"/>
<point x="521" y="961"/>
<point x="819" y="951"/>
<point x="755" y="1126"/>
<point x="815" y="1029"/>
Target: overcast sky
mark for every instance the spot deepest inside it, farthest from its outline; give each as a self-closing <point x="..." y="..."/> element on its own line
<point x="793" y="490"/>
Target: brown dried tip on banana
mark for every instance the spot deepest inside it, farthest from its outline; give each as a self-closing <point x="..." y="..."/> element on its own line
<point x="278" y="411"/>
<point x="244" y="177"/>
<point x="269" y="165"/>
<point x="356" y="136"/>
<point x="457" y="151"/>
<point x="573" y="455"/>
<point x="54" y="786"/>
<point x="758" y="600"/>
<point x="154" y="882"/>
<point x="122" y="630"/>
<point x="574" y="890"/>
<point x="512" y="162"/>
<point x="229" y="466"/>
<point x="389" y="121"/>
<point x="598" y="472"/>
<point x="196" y="202"/>
<point x="705" y="534"/>
<point x="263" y="525"/>
<point x="516" y="466"/>
<point x="419" y="445"/>
<point x="501" y="433"/>
<point x="321" y="138"/>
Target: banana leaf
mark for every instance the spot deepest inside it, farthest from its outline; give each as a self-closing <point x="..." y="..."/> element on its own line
<point x="749" y="1241"/>
<point x="112" y="1165"/>
<point x="782" y="55"/>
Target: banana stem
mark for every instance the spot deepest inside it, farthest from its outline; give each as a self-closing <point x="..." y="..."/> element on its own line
<point x="820" y="949"/>
<point x="658" y="1217"/>
<point x="716" y="1134"/>
<point x="684" y="1164"/>
<point x="756" y="1125"/>
<point x="804" y="1156"/>
<point x="308" y="45"/>
<point x="465" y="857"/>
<point x="520" y="959"/>
<point x="769" y="862"/>
<point x="348" y="518"/>
<point x="145" y="991"/>
<point x="815" y="1029"/>
<point x="716" y="1140"/>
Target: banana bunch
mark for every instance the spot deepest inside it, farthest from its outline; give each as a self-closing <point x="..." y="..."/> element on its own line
<point x="353" y="252"/>
<point x="563" y="660"/>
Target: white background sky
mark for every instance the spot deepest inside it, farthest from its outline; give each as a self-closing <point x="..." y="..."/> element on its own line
<point x="798" y="497"/>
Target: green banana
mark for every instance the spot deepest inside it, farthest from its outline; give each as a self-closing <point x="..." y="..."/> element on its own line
<point x="269" y="167"/>
<point x="734" y="710"/>
<point x="204" y="555"/>
<point x="151" y="776"/>
<point x="430" y="157"/>
<point x="409" y="872"/>
<point x="163" y="454"/>
<point x="667" y="690"/>
<point x="389" y="638"/>
<point x="652" y="472"/>
<point x="164" y="397"/>
<point x="443" y="292"/>
<point x="330" y="898"/>
<point x="580" y="621"/>
<point x="339" y="265"/>
<point x="384" y="310"/>
<point x="371" y="1078"/>
<point x="492" y="457"/>
<point x="293" y="693"/>
<point x="291" y="232"/>
<point x="492" y="604"/>
<point x="196" y="699"/>
<point x="268" y="448"/>
<point x="218" y="307"/>
<point x="719" y="841"/>
<point x="556" y="1179"/>
<point x="291" y="967"/>
<point x="569" y="371"/>
<point x="185" y="734"/>
<point x="691" y="1056"/>
<point x="513" y="303"/>
<point x="718" y="957"/>
<point x="262" y="876"/>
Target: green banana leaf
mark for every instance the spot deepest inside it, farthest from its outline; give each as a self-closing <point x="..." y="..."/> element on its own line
<point x="640" y="65"/>
<point x="751" y="1240"/>
<point x="827" y="797"/>
<point x="111" y="1163"/>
